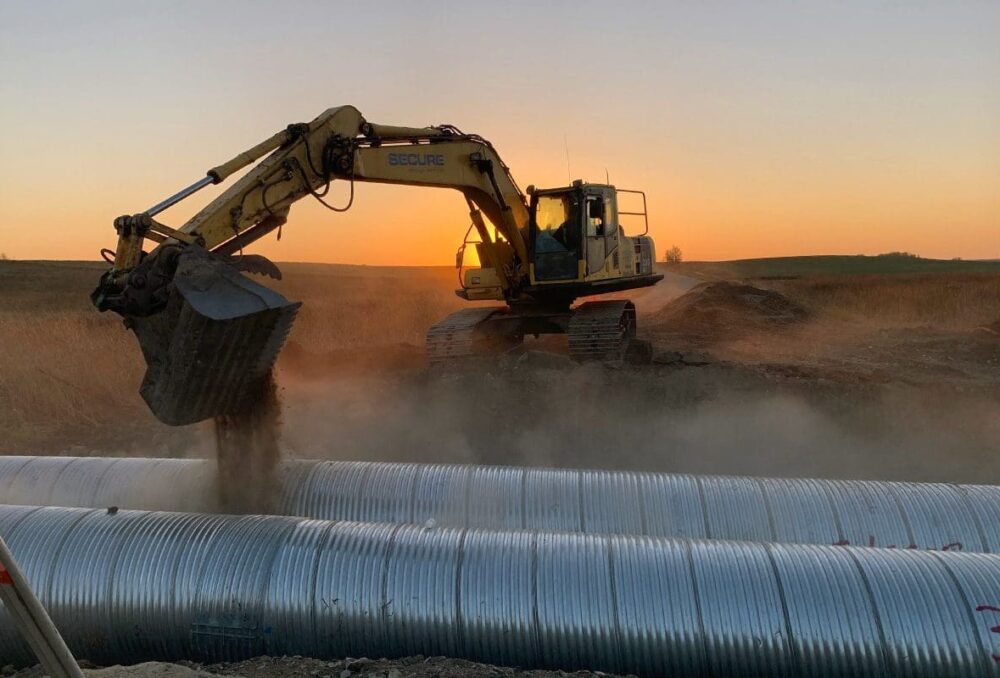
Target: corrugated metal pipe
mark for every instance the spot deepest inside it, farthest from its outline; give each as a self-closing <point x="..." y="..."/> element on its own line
<point x="131" y="586"/>
<point x="862" y="513"/>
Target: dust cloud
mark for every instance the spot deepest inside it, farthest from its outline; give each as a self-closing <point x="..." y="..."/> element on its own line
<point x="710" y="419"/>
<point x="757" y="386"/>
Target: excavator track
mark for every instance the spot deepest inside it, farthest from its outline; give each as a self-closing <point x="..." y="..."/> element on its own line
<point x="456" y="337"/>
<point x="601" y="330"/>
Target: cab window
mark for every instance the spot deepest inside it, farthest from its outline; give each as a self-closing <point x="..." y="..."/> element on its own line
<point x="610" y="218"/>
<point x="596" y="217"/>
<point x="556" y="222"/>
<point x="557" y="241"/>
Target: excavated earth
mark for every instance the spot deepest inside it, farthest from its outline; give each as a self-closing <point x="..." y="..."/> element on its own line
<point x="278" y="667"/>
<point x="713" y="312"/>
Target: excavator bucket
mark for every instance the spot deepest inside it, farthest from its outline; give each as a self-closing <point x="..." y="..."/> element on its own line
<point x="214" y="343"/>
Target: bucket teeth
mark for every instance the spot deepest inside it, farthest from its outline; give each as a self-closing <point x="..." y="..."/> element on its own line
<point x="214" y="342"/>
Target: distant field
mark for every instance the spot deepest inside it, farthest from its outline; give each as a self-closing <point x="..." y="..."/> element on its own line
<point x="828" y="265"/>
<point x="947" y="300"/>
<point x="69" y="374"/>
<point x="67" y="371"/>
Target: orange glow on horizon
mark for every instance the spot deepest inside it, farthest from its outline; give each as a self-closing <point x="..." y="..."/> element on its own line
<point x="759" y="215"/>
<point x="763" y="131"/>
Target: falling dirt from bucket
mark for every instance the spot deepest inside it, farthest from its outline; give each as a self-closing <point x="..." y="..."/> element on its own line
<point x="247" y="452"/>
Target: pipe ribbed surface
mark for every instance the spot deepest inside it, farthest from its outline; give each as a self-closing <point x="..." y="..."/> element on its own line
<point x="137" y="586"/>
<point x="932" y="516"/>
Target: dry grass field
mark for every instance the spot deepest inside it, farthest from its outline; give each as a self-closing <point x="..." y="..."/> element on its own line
<point x="867" y="365"/>
<point x="69" y="375"/>
<point x="944" y="300"/>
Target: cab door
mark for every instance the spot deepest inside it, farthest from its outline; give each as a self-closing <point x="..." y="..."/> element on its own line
<point x="600" y="230"/>
<point x="594" y="231"/>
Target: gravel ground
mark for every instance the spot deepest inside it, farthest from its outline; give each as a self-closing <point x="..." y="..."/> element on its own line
<point x="274" y="667"/>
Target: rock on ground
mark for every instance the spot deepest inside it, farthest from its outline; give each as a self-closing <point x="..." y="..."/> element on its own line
<point x="149" y="670"/>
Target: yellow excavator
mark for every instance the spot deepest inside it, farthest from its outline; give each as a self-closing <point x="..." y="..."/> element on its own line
<point x="209" y="334"/>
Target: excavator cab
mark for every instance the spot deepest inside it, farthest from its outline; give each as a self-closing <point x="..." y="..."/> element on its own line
<point x="575" y="237"/>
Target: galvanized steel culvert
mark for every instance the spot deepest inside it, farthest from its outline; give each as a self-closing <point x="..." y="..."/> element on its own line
<point x="135" y="586"/>
<point x="862" y="513"/>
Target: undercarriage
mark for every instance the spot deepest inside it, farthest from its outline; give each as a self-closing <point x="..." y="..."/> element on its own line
<point x="596" y="330"/>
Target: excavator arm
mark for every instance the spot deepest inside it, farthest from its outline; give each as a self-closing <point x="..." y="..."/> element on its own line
<point x="339" y="144"/>
<point x="466" y="163"/>
<point x="209" y="334"/>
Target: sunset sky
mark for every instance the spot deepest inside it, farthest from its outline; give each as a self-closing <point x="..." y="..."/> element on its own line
<point x="757" y="129"/>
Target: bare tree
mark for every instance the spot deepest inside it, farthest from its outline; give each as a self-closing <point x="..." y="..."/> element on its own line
<point x="674" y="255"/>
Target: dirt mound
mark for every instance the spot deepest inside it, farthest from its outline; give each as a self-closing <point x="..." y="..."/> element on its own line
<point x="303" y="667"/>
<point x="717" y="311"/>
<point x="149" y="670"/>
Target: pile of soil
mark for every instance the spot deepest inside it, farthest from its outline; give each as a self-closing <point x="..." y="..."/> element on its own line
<point x="302" y="667"/>
<point x="713" y="312"/>
<point x="409" y="667"/>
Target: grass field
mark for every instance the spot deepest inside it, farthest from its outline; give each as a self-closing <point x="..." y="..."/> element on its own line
<point x="69" y="375"/>
<point x="829" y="265"/>
<point x="944" y="300"/>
